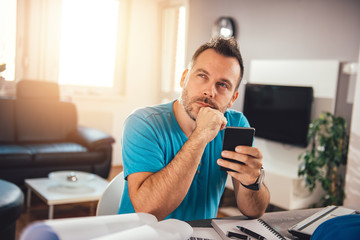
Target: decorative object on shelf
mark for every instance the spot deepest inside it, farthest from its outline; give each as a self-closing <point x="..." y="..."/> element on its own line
<point x="7" y="87"/>
<point x="328" y="152"/>
<point x="2" y="80"/>
<point x="72" y="178"/>
<point x="224" y="27"/>
<point x="2" y="67"/>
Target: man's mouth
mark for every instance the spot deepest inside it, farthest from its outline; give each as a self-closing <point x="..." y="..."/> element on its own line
<point x="206" y="103"/>
<point x="202" y="104"/>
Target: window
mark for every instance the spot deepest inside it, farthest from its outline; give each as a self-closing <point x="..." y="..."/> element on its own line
<point x="173" y="37"/>
<point x="180" y="48"/>
<point x="90" y="46"/>
<point x="8" y="38"/>
<point x="82" y="44"/>
<point x="88" y="42"/>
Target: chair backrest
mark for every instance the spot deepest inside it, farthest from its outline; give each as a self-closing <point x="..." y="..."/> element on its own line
<point x="110" y="200"/>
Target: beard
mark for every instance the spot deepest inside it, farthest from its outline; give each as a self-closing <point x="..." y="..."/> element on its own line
<point x="188" y="104"/>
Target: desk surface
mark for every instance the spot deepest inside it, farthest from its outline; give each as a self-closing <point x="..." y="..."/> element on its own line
<point x="280" y="221"/>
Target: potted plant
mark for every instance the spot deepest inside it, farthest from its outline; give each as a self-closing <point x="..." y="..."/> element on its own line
<point x="328" y="151"/>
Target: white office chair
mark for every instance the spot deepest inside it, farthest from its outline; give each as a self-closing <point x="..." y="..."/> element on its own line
<point x="110" y="200"/>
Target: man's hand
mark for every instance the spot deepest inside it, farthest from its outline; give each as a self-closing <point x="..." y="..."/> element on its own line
<point x="248" y="165"/>
<point x="247" y="169"/>
<point x="209" y="122"/>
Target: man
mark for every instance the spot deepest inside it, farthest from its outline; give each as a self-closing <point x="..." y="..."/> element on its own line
<point x="172" y="152"/>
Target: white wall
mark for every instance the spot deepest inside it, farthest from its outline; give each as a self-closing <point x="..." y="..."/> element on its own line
<point x="352" y="189"/>
<point x="283" y="29"/>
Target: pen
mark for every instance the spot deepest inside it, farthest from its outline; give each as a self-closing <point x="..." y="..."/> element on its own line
<point x="251" y="233"/>
<point x="237" y="235"/>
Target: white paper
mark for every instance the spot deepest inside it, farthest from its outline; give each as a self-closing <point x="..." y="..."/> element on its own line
<point x="85" y="227"/>
<point x="206" y="233"/>
<point x="122" y="226"/>
<point x="170" y="229"/>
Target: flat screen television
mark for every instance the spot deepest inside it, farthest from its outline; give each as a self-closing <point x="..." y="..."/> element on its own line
<point x="279" y="113"/>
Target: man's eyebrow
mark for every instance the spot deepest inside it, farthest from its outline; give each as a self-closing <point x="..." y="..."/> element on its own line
<point x="202" y="70"/>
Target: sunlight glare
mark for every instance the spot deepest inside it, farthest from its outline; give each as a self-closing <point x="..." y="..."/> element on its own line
<point x="88" y="42"/>
<point x="180" y="49"/>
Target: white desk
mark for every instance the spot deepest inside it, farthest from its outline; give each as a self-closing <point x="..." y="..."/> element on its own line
<point x="54" y="194"/>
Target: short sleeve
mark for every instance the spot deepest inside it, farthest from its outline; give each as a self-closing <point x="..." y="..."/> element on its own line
<point x="236" y="119"/>
<point x="141" y="146"/>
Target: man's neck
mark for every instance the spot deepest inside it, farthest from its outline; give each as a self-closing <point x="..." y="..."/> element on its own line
<point x="186" y="124"/>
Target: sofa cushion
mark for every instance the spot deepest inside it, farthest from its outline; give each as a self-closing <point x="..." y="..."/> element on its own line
<point x="7" y="133"/>
<point x="55" y="148"/>
<point x="14" y="156"/>
<point x="75" y="158"/>
<point x="63" y="154"/>
<point x="44" y="121"/>
<point x="30" y="89"/>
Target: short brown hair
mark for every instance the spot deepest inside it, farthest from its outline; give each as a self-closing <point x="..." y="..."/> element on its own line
<point x="225" y="46"/>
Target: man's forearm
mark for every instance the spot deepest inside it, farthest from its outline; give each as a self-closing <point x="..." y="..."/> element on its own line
<point x="251" y="203"/>
<point x="163" y="191"/>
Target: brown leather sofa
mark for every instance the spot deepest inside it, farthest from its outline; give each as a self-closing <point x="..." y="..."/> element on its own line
<point x="39" y="134"/>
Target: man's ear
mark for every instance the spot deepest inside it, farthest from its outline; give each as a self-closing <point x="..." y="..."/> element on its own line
<point x="183" y="78"/>
<point x="234" y="97"/>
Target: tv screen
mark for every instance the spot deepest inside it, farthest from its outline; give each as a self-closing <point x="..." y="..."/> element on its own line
<point x="279" y="113"/>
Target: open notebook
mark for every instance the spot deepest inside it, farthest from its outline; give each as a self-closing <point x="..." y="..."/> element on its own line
<point x="259" y="226"/>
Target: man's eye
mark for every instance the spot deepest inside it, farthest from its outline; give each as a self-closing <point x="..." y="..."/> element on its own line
<point x="223" y="85"/>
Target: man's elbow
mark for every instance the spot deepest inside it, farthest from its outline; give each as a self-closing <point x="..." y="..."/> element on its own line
<point x="140" y="207"/>
<point x="256" y="209"/>
<point x="254" y="214"/>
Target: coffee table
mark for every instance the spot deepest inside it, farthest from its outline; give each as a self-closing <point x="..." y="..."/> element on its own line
<point x="52" y="193"/>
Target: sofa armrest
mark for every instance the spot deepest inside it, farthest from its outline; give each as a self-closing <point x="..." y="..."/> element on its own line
<point x="91" y="138"/>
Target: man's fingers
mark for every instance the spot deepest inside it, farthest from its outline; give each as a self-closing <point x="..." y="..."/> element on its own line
<point x="223" y="125"/>
<point x="243" y="158"/>
<point x="243" y="173"/>
<point x="252" y="151"/>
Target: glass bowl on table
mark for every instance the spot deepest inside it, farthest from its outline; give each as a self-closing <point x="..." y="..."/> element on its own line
<point x="72" y="179"/>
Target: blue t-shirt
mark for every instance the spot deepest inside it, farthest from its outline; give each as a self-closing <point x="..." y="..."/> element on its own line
<point x="151" y="139"/>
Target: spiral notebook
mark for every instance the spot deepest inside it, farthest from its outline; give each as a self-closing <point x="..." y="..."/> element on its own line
<point x="223" y="226"/>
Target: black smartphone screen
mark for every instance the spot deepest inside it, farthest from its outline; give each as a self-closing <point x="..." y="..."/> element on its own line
<point x="235" y="136"/>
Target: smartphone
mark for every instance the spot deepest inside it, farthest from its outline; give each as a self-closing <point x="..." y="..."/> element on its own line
<point x="235" y="136"/>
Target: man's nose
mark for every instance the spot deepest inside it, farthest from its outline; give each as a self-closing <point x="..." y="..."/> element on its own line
<point x="209" y="91"/>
